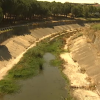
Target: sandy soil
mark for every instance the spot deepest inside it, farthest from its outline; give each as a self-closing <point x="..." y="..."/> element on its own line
<point x="79" y="83"/>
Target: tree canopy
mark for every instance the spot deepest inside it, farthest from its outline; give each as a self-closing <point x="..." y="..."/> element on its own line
<point x="1" y="14"/>
<point x="29" y="9"/>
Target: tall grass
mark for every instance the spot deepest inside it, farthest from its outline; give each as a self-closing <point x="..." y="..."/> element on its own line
<point x="29" y="65"/>
<point x="8" y="86"/>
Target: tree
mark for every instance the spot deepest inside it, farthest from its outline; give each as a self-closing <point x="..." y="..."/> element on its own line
<point x="54" y="8"/>
<point x="9" y="8"/>
<point x="86" y="11"/>
<point x="1" y="14"/>
<point x="66" y="9"/>
<point x="92" y="11"/>
<point x="98" y="10"/>
<point x="76" y="10"/>
<point x="42" y="8"/>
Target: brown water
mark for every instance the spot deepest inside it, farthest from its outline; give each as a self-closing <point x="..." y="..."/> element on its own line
<point x="48" y="85"/>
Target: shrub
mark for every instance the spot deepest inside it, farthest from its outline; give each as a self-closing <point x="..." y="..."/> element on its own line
<point x="8" y="86"/>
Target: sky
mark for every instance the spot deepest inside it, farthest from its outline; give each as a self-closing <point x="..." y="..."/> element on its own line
<point x="75" y="1"/>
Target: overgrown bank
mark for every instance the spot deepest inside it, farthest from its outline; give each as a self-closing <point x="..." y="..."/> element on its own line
<point x="31" y="63"/>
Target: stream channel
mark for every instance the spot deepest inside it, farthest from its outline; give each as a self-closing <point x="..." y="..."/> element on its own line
<point x="48" y="85"/>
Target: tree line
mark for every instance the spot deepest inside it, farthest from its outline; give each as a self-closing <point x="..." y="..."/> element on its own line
<point x="30" y="9"/>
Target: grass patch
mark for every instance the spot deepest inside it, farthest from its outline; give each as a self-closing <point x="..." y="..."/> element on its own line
<point x="30" y="63"/>
<point x="95" y="26"/>
<point x="8" y="86"/>
<point x="93" y="19"/>
<point x="89" y="19"/>
<point x="57" y="62"/>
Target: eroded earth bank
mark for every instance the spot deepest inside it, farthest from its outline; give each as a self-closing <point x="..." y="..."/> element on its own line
<point x="82" y="63"/>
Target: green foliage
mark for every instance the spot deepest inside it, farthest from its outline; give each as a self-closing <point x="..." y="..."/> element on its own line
<point x="98" y="9"/>
<point x="30" y="63"/>
<point x="86" y="11"/>
<point x="74" y="10"/>
<point x="77" y="10"/>
<point x="54" y="8"/>
<point x="8" y="86"/>
<point x="55" y="46"/>
<point x="29" y="9"/>
<point x="66" y="9"/>
<point x="57" y="62"/>
<point x="1" y="14"/>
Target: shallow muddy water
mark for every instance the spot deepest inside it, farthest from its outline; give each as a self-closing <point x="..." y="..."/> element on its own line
<point x="48" y="85"/>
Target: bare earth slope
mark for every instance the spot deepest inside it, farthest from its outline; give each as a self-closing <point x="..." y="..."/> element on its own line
<point x="82" y="66"/>
<point x="86" y="51"/>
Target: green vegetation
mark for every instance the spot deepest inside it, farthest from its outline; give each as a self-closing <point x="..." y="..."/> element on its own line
<point x="86" y="12"/>
<point x="76" y="11"/>
<point x="57" y="62"/>
<point x="1" y="14"/>
<point x="93" y="19"/>
<point x="27" y="10"/>
<point x="96" y="27"/>
<point x="8" y="86"/>
<point x="31" y="63"/>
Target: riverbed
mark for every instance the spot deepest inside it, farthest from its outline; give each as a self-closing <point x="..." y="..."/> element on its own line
<point x="48" y="85"/>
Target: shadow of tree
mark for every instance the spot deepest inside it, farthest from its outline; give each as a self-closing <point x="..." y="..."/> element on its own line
<point x="5" y="35"/>
<point x="21" y="30"/>
<point x="4" y="53"/>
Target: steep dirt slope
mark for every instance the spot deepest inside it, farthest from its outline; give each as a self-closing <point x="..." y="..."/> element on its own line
<point x="85" y="51"/>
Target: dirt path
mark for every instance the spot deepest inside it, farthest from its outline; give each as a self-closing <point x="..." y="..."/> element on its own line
<point x="82" y="85"/>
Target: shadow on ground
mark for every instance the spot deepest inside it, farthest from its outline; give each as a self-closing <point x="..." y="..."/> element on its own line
<point x="21" y="30"/>
<point x="4" y="53"/>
